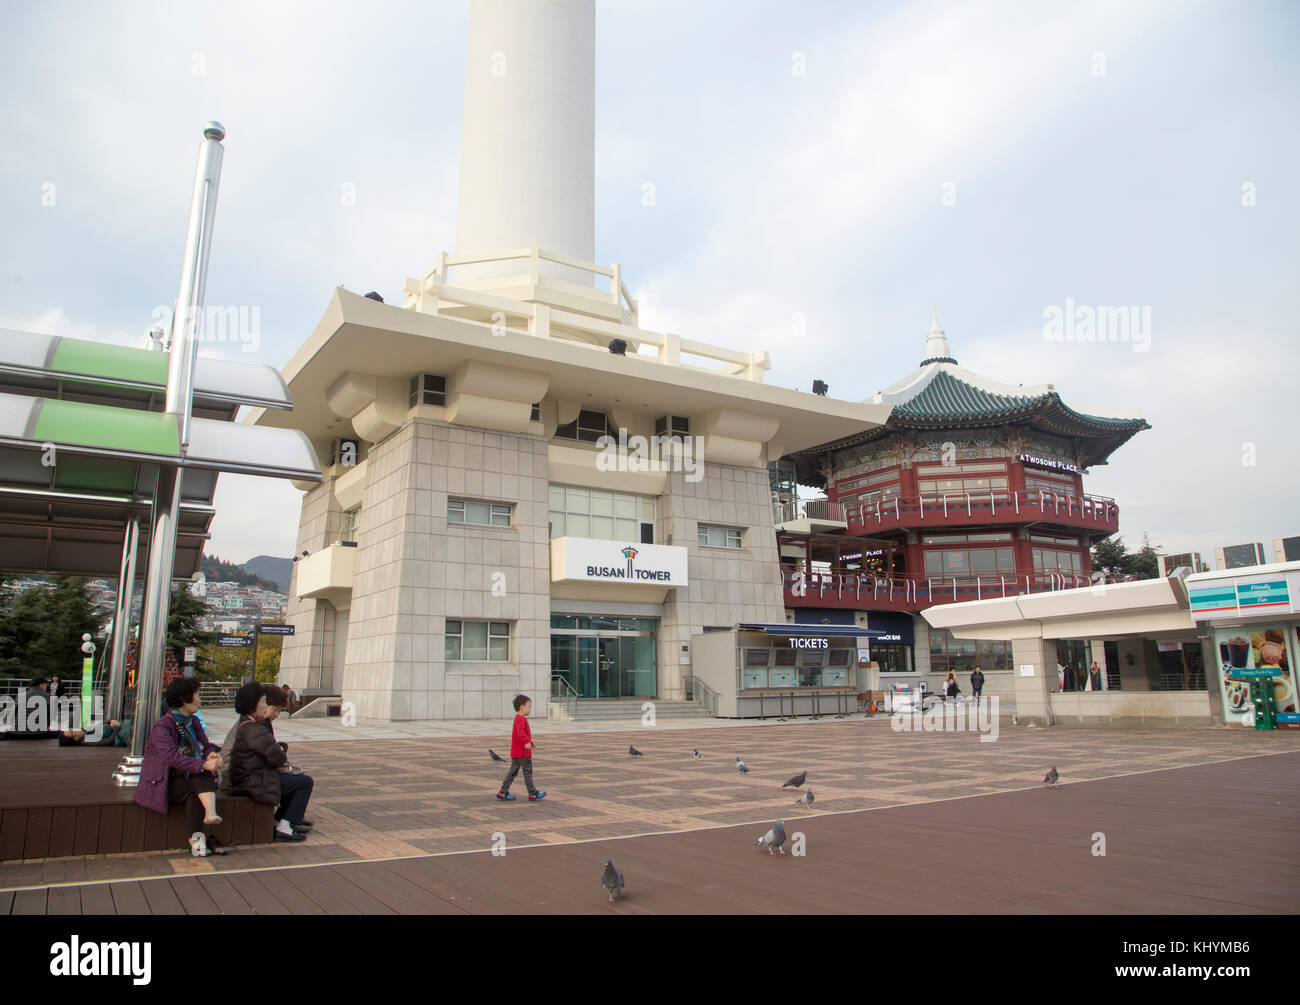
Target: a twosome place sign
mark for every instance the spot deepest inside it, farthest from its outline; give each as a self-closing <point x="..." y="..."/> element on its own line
<point x="1047" y="462"/>
<point x="618" y="562"/>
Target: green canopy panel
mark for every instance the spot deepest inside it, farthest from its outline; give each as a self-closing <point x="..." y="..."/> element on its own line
<point x="39" y="364"/>
<point x="56" y="430"/>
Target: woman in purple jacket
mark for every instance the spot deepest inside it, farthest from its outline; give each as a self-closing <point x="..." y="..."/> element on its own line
<point x="181" y="765"/>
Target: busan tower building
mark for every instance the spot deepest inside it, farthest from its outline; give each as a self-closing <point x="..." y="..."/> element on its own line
<point x="470" y="538"/>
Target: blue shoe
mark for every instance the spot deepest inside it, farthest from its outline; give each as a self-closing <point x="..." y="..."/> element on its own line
<point x="505" y="796"/>
<point x="534" y="796"/>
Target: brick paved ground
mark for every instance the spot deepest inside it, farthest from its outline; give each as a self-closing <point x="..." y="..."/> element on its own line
<point x="380" y="799"/>
<point x="1027" y="851"/>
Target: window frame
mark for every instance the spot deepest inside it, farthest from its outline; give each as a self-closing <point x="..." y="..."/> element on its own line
<point x="489" y="636"/>
<point x="492" y="514"/>
<point x="702" y="537"/>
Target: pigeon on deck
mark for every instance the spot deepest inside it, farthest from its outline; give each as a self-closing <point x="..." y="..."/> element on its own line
<point x="806" y="799"/>
<point x="774" y="838"/>
<point x="495" y="755"/>
<point x="742" y="767"/>
<point x="796" y="781"/>
<point x="697" y="755"/>
<point x="611" y="880"/>
<point x="634" y="752"/>
<point x="1051" y="778"/>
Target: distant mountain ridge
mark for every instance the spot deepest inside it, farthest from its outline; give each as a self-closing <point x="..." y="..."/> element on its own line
<point x="271" y="569"/>
<point x="265" y="571"/>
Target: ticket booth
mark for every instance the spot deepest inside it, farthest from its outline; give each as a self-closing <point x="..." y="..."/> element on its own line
<point x="771" y="670"/>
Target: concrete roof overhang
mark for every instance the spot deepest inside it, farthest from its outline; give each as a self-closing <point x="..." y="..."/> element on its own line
<point x="1150" y="608"/>
<point x="360" y="334"/>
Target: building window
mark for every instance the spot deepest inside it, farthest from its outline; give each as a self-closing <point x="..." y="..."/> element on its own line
<point x="1069" y="563"/>
<point x="970" y="561"/>
<point x="428" y="389"/>
<point x="481" y="513"/>
<point x="351" y="526"/>
<point x="720" y="537"/>
<point x="961" y="656"/>
<point x="477" y="642"/>
<point x="1040" y="481"/>
<point x="536" y="414"/>
<point x="674" y="426"/>
<point x="588" y="427"/>
<point x="601" y="514"/>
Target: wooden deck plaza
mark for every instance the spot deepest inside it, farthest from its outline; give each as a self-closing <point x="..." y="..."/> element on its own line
<point x="903" y="823"/>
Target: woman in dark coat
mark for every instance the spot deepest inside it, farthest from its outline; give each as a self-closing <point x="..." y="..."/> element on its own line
<point x="259" y="769"/>
<point x="180" y="764"/>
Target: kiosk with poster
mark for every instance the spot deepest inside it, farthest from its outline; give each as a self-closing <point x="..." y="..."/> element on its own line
<point x="1255" y="620"/>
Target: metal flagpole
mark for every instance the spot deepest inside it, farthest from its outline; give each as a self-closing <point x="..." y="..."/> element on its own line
<point x="183" y="346"/>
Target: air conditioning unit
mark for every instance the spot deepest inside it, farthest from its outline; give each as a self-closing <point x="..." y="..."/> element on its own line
<point x="1190" y="559"/>
<point x="345" y="452"/>
<point x="1286" y="549"/>
<point x="1239" y="556"/>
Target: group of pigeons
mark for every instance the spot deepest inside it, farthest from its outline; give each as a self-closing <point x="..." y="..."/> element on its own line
<point x="612" y="882"/>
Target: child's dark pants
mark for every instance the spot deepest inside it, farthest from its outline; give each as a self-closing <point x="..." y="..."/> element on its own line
<point x="515" y="764"/>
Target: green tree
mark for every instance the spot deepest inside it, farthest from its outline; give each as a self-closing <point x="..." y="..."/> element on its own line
<point x="1116" y="561"/>
<point x="43" y="627"/>
<point x="1145" y="562"/>
<point x="1108" y="557"/>
<point x="183" y="615"/>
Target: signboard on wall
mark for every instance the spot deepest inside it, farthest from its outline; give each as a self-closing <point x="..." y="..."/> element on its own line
<point x="1257" y="651"/>
<point x="1243" y="596"/>
<point x="618" y="563"/>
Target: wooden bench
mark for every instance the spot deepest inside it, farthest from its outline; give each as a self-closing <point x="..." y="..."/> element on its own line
<point x="57" y="801"/>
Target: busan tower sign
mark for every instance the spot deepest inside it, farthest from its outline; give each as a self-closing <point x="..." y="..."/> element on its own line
<point x="528" y="142"/>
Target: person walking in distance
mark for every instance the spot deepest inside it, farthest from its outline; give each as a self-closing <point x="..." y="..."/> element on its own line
<point x="977" y="685"/>
<point x="521" y="751"/>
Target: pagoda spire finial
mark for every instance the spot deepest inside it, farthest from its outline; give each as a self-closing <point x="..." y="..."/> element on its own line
<point x="936" y="341"/>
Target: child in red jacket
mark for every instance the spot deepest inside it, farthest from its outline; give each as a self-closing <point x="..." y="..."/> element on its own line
<point x="521" y="751"/>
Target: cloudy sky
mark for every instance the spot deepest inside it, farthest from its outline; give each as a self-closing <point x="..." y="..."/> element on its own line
<point x="821" y="172"/>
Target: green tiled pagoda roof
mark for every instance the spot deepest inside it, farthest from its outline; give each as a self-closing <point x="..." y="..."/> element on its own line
<point x="948" y="398"/>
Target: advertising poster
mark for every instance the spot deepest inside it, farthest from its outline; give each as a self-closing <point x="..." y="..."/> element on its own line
<point x="1253" y="648"/>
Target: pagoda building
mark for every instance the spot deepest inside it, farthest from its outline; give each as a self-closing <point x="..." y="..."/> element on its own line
<point x="972" y="489"/>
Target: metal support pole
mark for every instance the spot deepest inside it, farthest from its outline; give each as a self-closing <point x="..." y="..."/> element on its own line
<point x="122" y="619"/>
<point x="183" y="346"/>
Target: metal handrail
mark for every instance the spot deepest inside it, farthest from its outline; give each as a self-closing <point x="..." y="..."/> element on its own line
<point x="568" y="694"/>
<point x="838" y="582"/>
<point x="694" y="686"/>
<point x="1094" y="507"/>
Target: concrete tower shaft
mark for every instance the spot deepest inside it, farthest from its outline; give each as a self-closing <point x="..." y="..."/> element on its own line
<point x="528" y="155"/>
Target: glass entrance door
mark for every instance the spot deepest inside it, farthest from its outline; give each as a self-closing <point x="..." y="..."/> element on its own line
<point x="605" y="657"/>
<point x="608" y="673"/>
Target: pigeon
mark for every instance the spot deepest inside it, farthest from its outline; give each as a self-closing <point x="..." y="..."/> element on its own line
<point x="634" y="752"/>
<point x="495" y="755"/>
<point x="1051" y="777"/>
<point x="806" y="799"/>
<point x="611" y="880"/>
<point x="697" y="755"/>
<point x="797" y="780"/>
<point x="741" y="766"/>
<point x="774" y="838"/>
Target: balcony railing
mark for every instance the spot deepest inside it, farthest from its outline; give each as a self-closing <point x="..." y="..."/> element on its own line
<point x="810" y="509"/>
<point x="851" y="589"/>
<point x="984" y="507"/>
